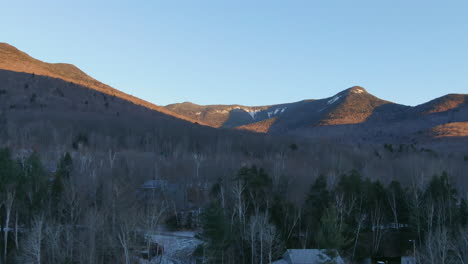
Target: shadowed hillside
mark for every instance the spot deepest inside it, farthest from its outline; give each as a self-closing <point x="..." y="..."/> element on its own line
<point x="15" y="60"/>
<point x="217" y="115"/>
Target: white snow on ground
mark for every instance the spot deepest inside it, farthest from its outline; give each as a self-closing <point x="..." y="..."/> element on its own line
<point x="276" y="111"/>
<point x="181" y="233"/>
<point x="253" y="113"/>
<point x="358" y="91"/>
<point x="159" y="260"/>
<point x="178" y="246"/>
<point x="198" y="113"/>
<point x="334" y="99"/>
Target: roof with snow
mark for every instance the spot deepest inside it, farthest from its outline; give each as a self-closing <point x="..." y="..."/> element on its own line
<point x="280" y="261"/>
<point x="309" y="256"/>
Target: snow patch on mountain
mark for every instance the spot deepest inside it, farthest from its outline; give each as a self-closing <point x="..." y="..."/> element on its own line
<point x="334" y="99"/>
<point x="276" y="112"/>
<point x="253" y="113"/>
<point x="358" y="91"/>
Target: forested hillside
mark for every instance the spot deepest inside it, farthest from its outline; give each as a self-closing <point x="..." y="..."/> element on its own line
<point x="250" y="216"/>
<point x="89" y="175"/>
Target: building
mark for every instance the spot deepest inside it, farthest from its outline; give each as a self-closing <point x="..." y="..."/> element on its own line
<point x="310" y="256"/>
<point x="394" y="260"/>
<point x="158" y="189"/>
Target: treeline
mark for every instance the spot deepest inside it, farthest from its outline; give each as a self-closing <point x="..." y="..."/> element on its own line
<point x="56" y="217"/>
<point x="250" y="219"/>
<point x="71" y="214"/>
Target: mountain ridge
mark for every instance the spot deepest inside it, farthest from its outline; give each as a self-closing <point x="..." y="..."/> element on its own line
<point x="354" y="105"/>
<point x="352" y="114"/>
<point x="15" y="60"/>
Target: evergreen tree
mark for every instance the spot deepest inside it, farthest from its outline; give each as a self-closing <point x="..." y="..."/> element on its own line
<point x="35" y="183"/>
<point x="351" y="186"/>
<point x="215" y="231"/>
<point x="317" y="201"/>
<point x="441" y="194"/>
<point x="463" y="213"/>
<point x="330" y="236"/>
<point x="63" y="172"/>
<point x="258" y="187"/>
<point x="351" y="190"/>
<point x="9" y="170"/>
<point x="396" y="199"/>
<point x="65" y="166"/>
<point x="284" y="215"/>
<point x="9" y="180"/>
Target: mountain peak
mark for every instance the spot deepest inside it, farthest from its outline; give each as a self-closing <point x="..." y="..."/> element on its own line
<point x="351" y="106"/>
<point x="356" y="89"/>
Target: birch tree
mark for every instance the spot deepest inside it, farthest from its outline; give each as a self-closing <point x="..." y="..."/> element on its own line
<point x="8" y="204"/>
<point x="33" y="243"/>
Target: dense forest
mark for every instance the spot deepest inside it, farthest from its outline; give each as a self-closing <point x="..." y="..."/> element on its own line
<point x="60" y="215"/>
<point x="250" y="221"/>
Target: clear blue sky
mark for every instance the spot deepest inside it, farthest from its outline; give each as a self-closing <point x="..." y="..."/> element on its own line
<point x="251" y="52"/>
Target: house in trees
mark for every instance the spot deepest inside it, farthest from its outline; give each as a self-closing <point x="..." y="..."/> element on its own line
<point x="396" y="247"/>
<point x="310" y="256"/>
<point x="157" y="189"/>
<point x="387" y="260"/>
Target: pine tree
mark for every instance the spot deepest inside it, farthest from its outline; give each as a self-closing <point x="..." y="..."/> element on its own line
<point x="258" y="187"/>
<point x="63" y="172"/>
<point x="215" y="232"/>
<point x="65" y="166"/>
<point x="316" y="203"/>
<point x="35" y="183"/>
<point x="330" y="236"/>
<point x="463" y="213"/>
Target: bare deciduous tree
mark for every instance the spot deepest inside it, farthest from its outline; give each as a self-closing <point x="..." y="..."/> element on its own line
<point x="8" y="204"/>
<point x="33" y="243"/>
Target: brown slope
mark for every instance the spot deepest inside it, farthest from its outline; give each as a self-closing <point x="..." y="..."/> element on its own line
<point x="259" y="127"/>
<point x="352" y="106"/>
<point x="13" y="59"/>
<point x="455" y="129"/>
<point x="442" y="104"/>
